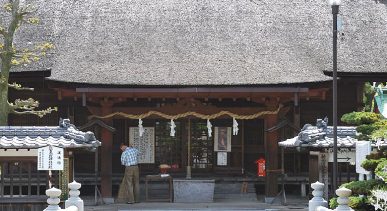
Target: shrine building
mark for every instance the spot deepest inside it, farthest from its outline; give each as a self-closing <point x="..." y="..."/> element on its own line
<point x="213" y="85"/>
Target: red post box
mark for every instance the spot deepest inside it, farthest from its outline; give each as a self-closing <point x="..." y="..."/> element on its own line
<point x="261" y="167"/>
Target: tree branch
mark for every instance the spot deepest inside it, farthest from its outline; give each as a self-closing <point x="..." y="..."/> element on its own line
<point x="28" y="107"/>
<point x="40" y="113"/>
<point x="19" y="87"/>
<point x="29" y="104"/>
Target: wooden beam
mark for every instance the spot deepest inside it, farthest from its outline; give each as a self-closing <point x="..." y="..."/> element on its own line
<point x="194" y="90"/>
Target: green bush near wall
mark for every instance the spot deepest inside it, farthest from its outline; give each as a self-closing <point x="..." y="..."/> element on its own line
<point x="355" y="202"/>
<point x="362" y="187"/>
<point x="371" y="164"/>
<point x="381" y="169"/>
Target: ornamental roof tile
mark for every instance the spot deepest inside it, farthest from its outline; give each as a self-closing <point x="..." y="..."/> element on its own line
<point x="321" y="136"/>
<point x="65" y="135"/>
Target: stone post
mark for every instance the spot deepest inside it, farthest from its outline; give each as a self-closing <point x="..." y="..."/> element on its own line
<point x="53" y="200"/>
<point x="317" y="200"/>
<point x="343" y="199"/>
<point x="74" y="199"/>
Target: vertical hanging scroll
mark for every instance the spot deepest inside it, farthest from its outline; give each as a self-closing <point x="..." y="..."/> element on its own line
<point x="222" y="139"/>
<point x="145" y="143"/>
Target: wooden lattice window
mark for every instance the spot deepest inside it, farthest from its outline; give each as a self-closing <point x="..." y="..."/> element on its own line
<point x="202" y="146"/>
<point x="21" y="181"/>
<point x="168" y="148"/>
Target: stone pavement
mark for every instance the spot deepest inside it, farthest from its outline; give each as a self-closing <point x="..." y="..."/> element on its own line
<point x="294" y="203"/>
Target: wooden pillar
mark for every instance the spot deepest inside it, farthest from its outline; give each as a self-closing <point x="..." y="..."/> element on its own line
<point x="189" y="164"/>
<point x="106" y="154"/>
<point x="243" y="147"/>
<point x="296" y="112"/>
<point x="313" y="168"/>
<point x="271" y="148"/>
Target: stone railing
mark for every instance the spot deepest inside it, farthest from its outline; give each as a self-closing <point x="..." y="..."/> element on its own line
<point x="317" y="203"/>
<point x="74" y="203"/>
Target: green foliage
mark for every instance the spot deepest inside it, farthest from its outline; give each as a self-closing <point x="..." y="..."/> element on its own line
<point x="361" y="187"/>
<point x="376" y="155"/>
<point x="370" y="125"/>
<point x="366" y="129"/>
<point x="381" y="169"/>
<point x="359" y="118"/>
<point x="371" y="164"/>
<point x="355" y="202"/>
<point x="380" y="133"/>
<point x="333" y="203"/>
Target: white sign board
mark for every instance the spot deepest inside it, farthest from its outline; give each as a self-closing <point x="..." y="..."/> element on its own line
<point x="363" y="148"/>
<point x="222" y="159"/>
<point x="145" y="144"/>
<point x="50" y="158"/>
<point x="343" y="156"/>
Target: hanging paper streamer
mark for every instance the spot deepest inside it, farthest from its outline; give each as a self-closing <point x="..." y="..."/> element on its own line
<point x="140" y="128"/>
<point x="209" y="128"/>
<point x="234" y="127"/>
<point x="173" y="126"/>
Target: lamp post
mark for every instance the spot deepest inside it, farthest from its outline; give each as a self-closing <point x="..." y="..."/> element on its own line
<point x="335" y="10"/>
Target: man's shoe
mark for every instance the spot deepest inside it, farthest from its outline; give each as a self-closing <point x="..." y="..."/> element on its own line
<point x="130" y="203"/>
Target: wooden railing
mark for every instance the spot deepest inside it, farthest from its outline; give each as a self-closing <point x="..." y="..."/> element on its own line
<point x="21" y="182"/>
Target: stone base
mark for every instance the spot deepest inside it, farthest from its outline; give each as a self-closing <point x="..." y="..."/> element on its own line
<point x="193" y="191"/>
<point x="108" y="200"/>
<point x="269" y="200"/>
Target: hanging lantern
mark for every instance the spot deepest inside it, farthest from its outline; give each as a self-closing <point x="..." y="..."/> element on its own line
<point x="140" y="128"/>
<point x="209" y="128"/>
<point x="173" y="126"/>
<point x="234" y="127"/>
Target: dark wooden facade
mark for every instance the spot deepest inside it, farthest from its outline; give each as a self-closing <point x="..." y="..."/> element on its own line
<point x="252" y="142"/>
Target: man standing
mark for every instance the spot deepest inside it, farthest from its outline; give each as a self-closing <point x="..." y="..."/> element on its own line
<point x="130" y="186"/>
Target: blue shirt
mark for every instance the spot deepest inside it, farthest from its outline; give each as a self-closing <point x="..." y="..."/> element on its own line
<point x="129" y="157"/>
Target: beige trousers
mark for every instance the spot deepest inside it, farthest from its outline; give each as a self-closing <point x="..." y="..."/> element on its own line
<point x="129" y="190"/>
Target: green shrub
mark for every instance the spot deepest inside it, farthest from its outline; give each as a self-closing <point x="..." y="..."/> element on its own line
<point x="375" y="155"/>
<point x="359" y="118"/>
<point x="366" y="129"/>
<point x="371" y="164"/>
<point x="381" y="169"/>
<point x="361" y="187"/>
<point x="380" y="133"/>
<point x="355" y="202"/>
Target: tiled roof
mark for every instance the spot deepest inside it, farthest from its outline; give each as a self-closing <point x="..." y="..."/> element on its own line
<point x="65" y="135"/>
<point x="321" y="136"/>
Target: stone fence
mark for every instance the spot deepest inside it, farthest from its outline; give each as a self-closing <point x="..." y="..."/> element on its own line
<point x="74" y="203"/>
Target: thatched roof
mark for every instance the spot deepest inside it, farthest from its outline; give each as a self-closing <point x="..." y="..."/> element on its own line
<point x="185" y="42"/>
